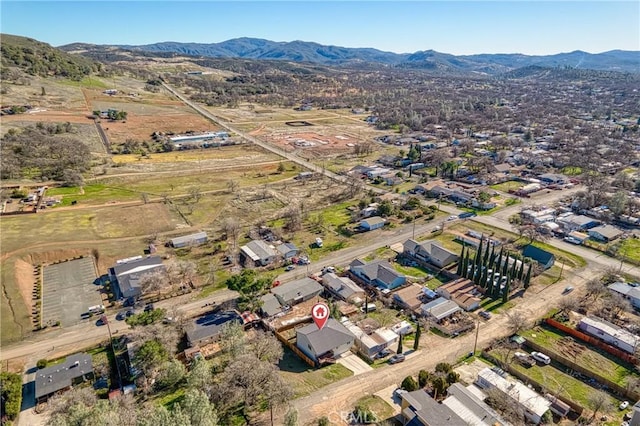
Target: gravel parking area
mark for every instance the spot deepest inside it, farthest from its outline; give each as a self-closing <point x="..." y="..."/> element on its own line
<point x="69" y="290"/>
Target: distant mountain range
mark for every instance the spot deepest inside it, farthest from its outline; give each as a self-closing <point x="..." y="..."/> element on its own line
<point x="302" y="51"/>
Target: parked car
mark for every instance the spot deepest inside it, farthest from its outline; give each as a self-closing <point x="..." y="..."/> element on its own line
<point x="485" y="314"/>
<point x="149" y="307"/>
<point x="399" y="392"/>
<point x="540" y="357"/>
<point x="121" y="315"/>
<point x="567" y="290"/>
<point x="129" y="313"/>
<point x="467" y="215"/>
<point x="383" y="353"/>
<point x="624" y="404"/>
<point x="290" y="268"/>
<point x="397" y="358"/>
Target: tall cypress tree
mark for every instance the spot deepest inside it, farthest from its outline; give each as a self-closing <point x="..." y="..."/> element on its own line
<point x="483" y="277"/>
<point x="527" y="278"/>
<point x="465" y="266"/>
<point x="521" y="271"/>
<point x="505" y="265"/>
<point x="514" y="268"/>
<point x="485" y="260"/>
<point x="459" y="269"/>
<point x="416" y="342"/>
<point x="399" y="351"/>
<point x="492" y="258"/>
<point x="505" y="291"/>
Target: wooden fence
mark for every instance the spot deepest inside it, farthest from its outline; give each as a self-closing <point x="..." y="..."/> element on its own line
<point x="295" y="349"/>
<point x="592" y="341"/>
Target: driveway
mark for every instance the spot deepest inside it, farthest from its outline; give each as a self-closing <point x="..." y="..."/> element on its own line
<point x="354" y="363"/>
<point x="390" y="398"/>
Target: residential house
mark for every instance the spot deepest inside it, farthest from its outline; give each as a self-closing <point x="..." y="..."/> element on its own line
<point x="439" y="309"/>
<point x="468" y="403"/>
<point x="571" y="222"/>
<point x="370" y="344"/>
<point x="576" y="237"/>
<point x="552" y="178"/>
<point x="371" y="223"/>
<point x="630" y="293"/>
<point x="533" y="404"/>
<point x="270" y="305"/>
<point x="324" y="344"/>
<point x="477" y="204"/>
<point x="610" y="333"/>
<point x="259" y="253"/>
<point x="189" y="240"/>
<point x="76" y="369"/>
<point x="635" y="418"/>
<point x="297" y="291"/>
<point x="287" y="250"/>
<point x="378" y="273"/>
<point x="402" y="328"/>
<point x="126" y="274"/>
<point x="543" y="257"/>
<point x="343" y="288"/>
<point x="430" y="251"/>
<point x="409" y="297"/>
<point x="419" y="409"/>
<point x="206" y="329"/>
<point x="463" y="292"/>
<point x="391" y="179"/>
<point x="605" y="233"/>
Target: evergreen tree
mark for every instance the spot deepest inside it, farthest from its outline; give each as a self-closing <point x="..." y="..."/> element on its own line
<point x="514" y="268"/>
<point x="399" y="351"/>
<point x="416" y="342"/>
<point x="521" y="271"/>
<point x="505" y="291"/>
<point x="489" y="288"/>
<point x="505" y="265"/>
<point x="465" y="266"/>
<point x="459" y="269"/>
<point x="492" y="258"/>
<point x="478" y="257"/>
<point x="486" y="253"/>
<point x="484" y="277"/>
<point x="527" y="278"/>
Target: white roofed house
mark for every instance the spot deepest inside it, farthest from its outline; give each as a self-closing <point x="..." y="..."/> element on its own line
<point x="259" y="253"/>
<point x="610" y="333"/>
<point x="126" y="274"/>
<point x="369" y="345"/>
<point x="189" y="240"/>
<point x="532" y="403"/>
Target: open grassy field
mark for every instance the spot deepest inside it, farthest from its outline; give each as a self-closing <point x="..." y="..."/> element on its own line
<point x="19" y="232"/>
<point x="305" y="379"/>
<point x="377" y="406"/>
<point x="507" y="186"/>
<point x="630" y="248"/>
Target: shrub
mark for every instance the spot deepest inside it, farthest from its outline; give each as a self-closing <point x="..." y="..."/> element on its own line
<point x="11" y="385"/>
<point x="409" y="384"/>
<point x="423" y="378"/>
<point x="42" y="363"/>
<point x="323" y="421"/>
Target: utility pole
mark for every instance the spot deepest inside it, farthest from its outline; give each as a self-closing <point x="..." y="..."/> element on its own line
<point x="413" y="235"/>
<point x="475" y="344"/>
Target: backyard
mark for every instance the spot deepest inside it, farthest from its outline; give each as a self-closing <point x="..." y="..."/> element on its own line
<point x="306" y="379"/>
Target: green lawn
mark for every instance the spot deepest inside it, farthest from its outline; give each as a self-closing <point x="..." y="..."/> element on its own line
<point x="376" y="405"/>
<point x="306" y="379"/>
<point x="507" y="186"/>
<point x="630" y="248"/>
<point x="495" y="305"/>
<point x="336" y="215"/>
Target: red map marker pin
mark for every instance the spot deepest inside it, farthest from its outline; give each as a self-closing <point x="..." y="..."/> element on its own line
<point x="320" y="314"/>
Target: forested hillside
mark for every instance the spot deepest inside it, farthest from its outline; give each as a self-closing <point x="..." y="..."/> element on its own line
<point x="37" y="58"/>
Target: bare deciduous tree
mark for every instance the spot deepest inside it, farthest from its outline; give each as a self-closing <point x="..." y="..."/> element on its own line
<point x="266" y="347"/>
<point x="516" y="321"/>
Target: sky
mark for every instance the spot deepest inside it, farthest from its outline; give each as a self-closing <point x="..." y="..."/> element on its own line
<point x="456" y="27"/>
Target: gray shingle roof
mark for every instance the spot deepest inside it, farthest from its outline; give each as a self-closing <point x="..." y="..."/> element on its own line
<point x="59" y="376"/>
<point x="304" y="287"/>
<point x="440" y="308"/>
<point x="260" y="249"/>
<point x="332" y="335"/>
<point x="380" y="270"/>
<point x="270" y="305"/>
<point x="342" y="286"/>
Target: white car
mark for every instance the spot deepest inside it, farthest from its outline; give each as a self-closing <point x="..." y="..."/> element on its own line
<point x="624" y="404"/>
<point x="452" y="218"/>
